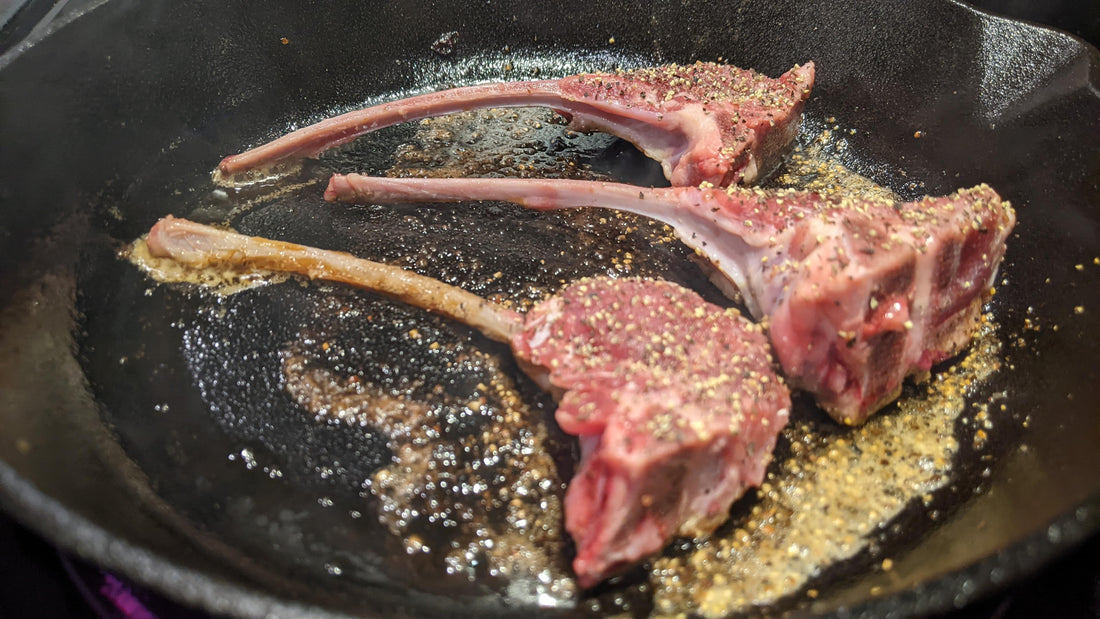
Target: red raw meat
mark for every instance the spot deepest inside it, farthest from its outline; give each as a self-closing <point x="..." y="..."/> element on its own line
<point x="858" y="293"/>
<point x="703" y="122"/>
<point x="674" y="399"/>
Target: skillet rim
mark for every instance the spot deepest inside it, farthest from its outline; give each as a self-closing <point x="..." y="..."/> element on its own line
<point x="75" y="533"/>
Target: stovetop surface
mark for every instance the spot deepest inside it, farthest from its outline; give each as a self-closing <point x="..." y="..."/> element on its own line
<point x="36" y="580"/>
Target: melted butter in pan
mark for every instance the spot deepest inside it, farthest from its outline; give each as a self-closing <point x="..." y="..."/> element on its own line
<point x="824" y="499"/>
<point x="484" y="497"/>
<point x="823" y="503"/>
<point x="221" y="278"/>
<point x="443" y="449"/>
<point x="809" y="167"/>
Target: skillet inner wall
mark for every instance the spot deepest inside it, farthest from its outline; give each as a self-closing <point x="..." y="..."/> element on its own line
<point x="173" y="85"/>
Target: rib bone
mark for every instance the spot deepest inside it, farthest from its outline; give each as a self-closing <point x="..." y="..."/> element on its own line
<point x="702" y="122"/>
<point x="674" y="399"/>
<point x="858" y="293"/>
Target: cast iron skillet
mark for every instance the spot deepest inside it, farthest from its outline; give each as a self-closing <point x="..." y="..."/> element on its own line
<point x="111" y="446"/>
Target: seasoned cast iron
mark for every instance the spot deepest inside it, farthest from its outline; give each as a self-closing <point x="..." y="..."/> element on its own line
<point x="118" y="418"/>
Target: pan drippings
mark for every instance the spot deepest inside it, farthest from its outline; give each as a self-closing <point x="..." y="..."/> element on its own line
<point x="394" y="413"/>
<point x="472" y="481"/>
<point x="824" y="502"/>
<point x="225" y="280"/>
<point x="525" y="143"/>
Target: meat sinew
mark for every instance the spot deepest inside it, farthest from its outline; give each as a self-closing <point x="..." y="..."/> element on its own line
<point x="858" y="293"/>
<point x="703" y="122"/>
<point x="673" y="399"/>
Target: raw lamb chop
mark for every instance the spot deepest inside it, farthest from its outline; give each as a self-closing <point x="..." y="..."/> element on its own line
<point x="703" y="122"/>
<point x="674" y="399"/>
<point x="858" y="293"/>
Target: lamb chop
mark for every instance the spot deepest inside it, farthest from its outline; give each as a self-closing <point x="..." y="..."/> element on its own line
<point x="858" y="293"/>
<point x="703" y="122"/>
<point x="674" y="400"/>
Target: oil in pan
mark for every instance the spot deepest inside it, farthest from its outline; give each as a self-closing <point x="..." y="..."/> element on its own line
<point x="432" y="432"/>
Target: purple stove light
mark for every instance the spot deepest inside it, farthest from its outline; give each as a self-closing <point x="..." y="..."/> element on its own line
<point x="114" y="597"/>
<point x="119" y="594"/>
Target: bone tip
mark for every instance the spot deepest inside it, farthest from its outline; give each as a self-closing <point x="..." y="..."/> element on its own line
<point x="585" y="579"/>
<point x="227" y="165"/>
<point x="332" y="192"/>
<point x="164" y="223"/>
<point x="224" y="174"/>
<point x="155" y="239"/>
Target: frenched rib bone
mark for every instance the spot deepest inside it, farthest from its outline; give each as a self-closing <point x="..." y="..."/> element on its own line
<point x="702" y="122"/>
<point x="674" y="399"/>
<point x="201" y="246"/>
<point x="858" y="293"/>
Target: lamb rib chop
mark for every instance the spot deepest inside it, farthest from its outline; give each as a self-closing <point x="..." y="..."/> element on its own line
<point x="858" y="293"/>
<point x="674" y="399"/>
<point x="703" y="122"/>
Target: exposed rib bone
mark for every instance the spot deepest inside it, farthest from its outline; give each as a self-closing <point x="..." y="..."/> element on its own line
<point x="858" y="292"/>
<point x="702" y="122"/>
<point x="203" y="246"/>
<point x="674" y="399"/>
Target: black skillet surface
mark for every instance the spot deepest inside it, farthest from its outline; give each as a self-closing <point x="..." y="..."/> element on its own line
<point x="116" y="119"/>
